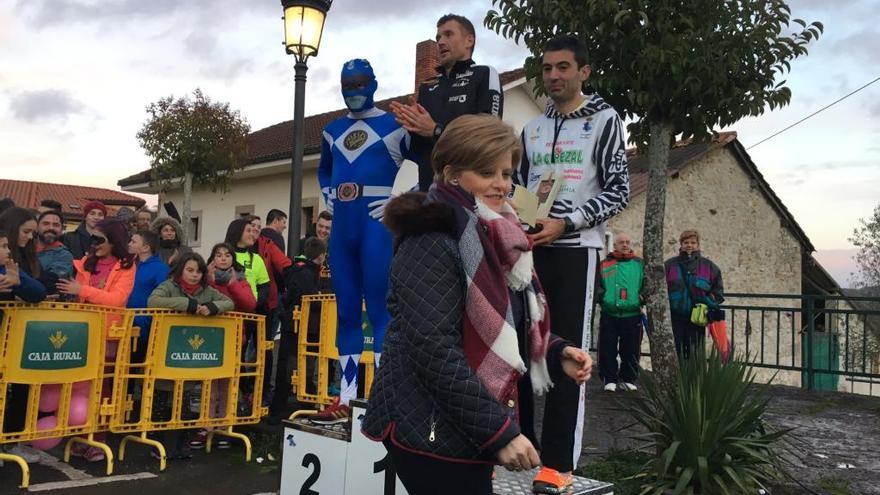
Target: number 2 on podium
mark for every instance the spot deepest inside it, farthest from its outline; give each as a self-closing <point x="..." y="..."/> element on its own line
<point x="311" y="460"/>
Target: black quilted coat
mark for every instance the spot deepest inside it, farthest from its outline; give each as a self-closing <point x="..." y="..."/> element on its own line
<point x="425" y="397"/>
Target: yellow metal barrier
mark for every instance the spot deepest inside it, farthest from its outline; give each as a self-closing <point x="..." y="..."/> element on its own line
<point x="191" y="377"/>
<point x="61" y="357"/>
<point x="314" y="353"/>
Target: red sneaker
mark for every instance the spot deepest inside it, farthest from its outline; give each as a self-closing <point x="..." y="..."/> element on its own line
<point x="334" y="414"/>
<point x="87" y="452"/>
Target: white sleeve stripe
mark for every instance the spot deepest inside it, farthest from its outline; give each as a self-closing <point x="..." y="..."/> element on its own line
<point x="494" y="80"/>
<point x="328" y="138"/>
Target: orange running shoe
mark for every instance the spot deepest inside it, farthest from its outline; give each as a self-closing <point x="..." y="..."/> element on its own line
<point x="552" y="482"/>
<point x="334" y="414"/>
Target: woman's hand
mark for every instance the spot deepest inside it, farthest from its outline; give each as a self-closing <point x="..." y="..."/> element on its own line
<point x="210" y="273"/>
<point x="11" y="278"/>
<point x="203" y="310"/>
<point x="68" y="286"/>
<point x="519" y="455"/>
<point x="577" y="364"/>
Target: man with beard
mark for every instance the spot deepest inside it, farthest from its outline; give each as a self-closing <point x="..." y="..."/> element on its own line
<point x="580" y="140"/>
<point x="56" y="261"/>
<point x="143" y="218"/>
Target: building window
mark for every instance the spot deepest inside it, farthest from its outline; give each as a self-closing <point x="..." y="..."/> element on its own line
<point x="195" y="229"/>
<point x="244" y="210"/>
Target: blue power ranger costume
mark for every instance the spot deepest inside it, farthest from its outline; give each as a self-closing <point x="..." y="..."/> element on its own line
<point x="361" y="154"/>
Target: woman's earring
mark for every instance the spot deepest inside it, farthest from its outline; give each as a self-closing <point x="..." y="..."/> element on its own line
<point x="454" y="182"/>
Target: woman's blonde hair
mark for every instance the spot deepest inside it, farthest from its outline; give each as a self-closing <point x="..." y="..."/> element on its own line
<point x="473" y="143"/>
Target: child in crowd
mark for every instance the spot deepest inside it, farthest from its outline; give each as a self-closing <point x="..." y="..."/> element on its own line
<point x="227" y="275"/>
<point x="17" y="284"/>
<point x="187" y="290"/>
<point x="151" y="272"/>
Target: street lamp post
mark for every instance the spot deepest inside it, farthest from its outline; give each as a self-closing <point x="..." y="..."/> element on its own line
<point x="303" y="26"/>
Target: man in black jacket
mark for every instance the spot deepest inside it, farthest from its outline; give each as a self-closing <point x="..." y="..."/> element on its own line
<point x="302" y="279"/>
<point x="462" y="87"/>
<point x="77" y="241"/>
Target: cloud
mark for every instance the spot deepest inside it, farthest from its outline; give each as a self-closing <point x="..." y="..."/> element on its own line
<point x="44" y="105"/>
<point x="212" y="60"/>
<point x="799" y="174"/>
<point x="343" y="12"/>
<point x="362" y="11"/>
<point x="62" y="12"/>
<point x="358" y="12"/>
<point x="861" y="45"/>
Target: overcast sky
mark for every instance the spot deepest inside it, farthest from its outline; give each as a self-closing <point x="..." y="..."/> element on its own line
<point x="76" y="75"/>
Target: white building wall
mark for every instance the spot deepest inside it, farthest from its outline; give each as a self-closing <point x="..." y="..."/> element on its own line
<point x="267" y="186"/>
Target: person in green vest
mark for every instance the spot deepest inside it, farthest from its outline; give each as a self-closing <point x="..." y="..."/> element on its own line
<point x="620" y="293"/>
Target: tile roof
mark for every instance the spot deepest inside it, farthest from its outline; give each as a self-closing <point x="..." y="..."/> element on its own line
<point x="28" y="194"/>
<point x="275" y="142"/>
<point x="680" y="154"/>
<point x="683" y="152"/>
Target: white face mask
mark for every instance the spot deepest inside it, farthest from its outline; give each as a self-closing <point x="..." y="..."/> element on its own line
<point x="355" y="103"/>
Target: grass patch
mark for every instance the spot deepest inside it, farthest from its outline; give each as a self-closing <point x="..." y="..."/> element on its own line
<point x="835" y="485"/>
<point x="615" y="468"/>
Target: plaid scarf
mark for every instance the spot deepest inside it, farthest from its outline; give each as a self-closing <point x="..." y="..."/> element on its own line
<point x="497" y="256"/>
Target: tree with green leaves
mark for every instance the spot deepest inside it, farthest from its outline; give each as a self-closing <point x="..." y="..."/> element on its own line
<point x="675" y="68"/>
<point x="866" y="238"/>
<point x="193" y="140"/>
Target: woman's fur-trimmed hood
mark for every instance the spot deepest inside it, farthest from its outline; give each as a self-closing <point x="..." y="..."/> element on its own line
<point x="160" y="222"/>
<point x="411" y="214"/>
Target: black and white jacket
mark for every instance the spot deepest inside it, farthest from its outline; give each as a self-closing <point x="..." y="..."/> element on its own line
<point x="586" y="150"/>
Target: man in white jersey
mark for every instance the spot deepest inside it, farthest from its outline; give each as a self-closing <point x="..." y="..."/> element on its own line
<point x="580" y="140"/>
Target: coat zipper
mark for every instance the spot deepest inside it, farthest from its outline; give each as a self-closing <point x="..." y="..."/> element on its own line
<point x="432" y="436"/>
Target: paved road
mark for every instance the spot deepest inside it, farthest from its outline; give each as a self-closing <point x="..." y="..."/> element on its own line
<point x="221" y="472"/>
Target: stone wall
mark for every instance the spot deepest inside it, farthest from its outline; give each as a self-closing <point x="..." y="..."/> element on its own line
<point x="743" y="234"/>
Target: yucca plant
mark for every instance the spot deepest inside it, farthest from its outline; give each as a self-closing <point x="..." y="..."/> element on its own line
<point x="707" y="431"/>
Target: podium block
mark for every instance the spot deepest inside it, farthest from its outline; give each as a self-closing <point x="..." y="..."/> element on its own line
<point x="339" y="459"/>
<point x="369" y="468"/>
<point x="520" y="483"/>
<point x="313" y="461"/>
